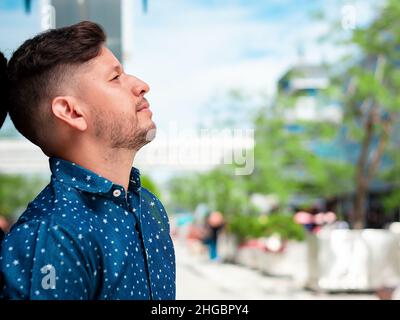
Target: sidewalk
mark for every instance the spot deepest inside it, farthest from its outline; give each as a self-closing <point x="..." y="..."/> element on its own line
<point x="200" y="279"/>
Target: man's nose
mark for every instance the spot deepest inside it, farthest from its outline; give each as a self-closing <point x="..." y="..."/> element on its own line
<point x="139" y="87"/>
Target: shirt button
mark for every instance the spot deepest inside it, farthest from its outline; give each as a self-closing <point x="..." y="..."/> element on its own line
<point x="116" y="193"/>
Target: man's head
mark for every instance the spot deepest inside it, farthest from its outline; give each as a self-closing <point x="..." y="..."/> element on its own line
<point x="65" y="85"/>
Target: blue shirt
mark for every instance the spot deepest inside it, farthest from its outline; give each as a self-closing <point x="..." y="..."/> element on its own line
<point x="84" y="238"/>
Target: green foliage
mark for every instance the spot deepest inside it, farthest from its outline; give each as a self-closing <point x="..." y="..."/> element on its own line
<point x="392" y="176"/>
<point x="150" y="185"/>
<point x="219" y="188"/>
<point x="255" y="226"/>
<point x="16" y="191"/>
<point x="368" y="88"/>
<point x="246" y="226"/>
<point x="287" y="165"/>
<point x="284" y="225"/>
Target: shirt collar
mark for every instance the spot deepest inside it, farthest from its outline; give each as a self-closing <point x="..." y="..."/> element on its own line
<point x="83" y="179"/>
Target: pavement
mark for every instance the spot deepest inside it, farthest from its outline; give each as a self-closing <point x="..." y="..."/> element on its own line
<point x="200" y="279"/>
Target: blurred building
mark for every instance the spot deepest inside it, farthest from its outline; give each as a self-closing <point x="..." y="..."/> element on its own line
<point x="115" y="16"/>
<point x="305" y="83"/>
<point x="105" y="12"/>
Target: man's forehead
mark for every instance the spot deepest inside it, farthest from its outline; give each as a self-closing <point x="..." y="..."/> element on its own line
<point x="105" y="61"/>
<point x="99" y="67"/>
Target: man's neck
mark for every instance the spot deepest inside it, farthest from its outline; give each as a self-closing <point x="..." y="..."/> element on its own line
<point x="114" y="165"/>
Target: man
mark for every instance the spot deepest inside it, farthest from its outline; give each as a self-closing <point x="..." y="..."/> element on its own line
<point x="214" y="225"/>
<point x="93" y="232"/>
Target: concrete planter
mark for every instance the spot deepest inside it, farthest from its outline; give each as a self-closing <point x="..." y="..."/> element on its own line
<point x="249" y="257"/>
<point x="228" y="247"/>
<point x="229" y="250"/>
<point x="353" y="260"/>
<point x="332" y="260"/>
<point x="289" y="262"/>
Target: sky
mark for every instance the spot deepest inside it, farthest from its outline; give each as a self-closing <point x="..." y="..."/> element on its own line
<point x="193" y="51"/>
<point x="15" y="25"/>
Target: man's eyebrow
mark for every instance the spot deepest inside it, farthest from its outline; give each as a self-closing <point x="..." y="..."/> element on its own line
<point x="117" y="68"/>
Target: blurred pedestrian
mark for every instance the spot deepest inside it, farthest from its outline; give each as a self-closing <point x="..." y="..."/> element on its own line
<point x="4" y="226"/>
<point x="388" y="293"/>
<point x="214" y="224"/>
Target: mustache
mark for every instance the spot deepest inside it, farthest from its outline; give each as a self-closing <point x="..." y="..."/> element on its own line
<point x="141" y="102"/>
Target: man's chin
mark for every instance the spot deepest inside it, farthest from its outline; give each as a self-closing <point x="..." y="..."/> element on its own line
<point x="147" y="135"/>
<point x="151" y="133"/>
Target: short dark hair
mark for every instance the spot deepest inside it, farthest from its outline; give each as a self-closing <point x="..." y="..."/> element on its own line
<point x="3" y="88"/>
<point x="36" y="70"/>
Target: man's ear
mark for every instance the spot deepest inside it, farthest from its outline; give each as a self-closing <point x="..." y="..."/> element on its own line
<point x="68" y="110"/>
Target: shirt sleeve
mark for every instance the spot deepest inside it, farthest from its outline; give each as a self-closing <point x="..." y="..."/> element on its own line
<point x="44" y="260"/>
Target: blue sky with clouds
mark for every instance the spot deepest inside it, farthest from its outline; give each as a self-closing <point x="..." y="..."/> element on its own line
<point x="190" y="51"/>
<point x="15" y="25"/>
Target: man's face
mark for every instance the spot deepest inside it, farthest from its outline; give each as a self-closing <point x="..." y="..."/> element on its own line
<point x="118" y="113"/>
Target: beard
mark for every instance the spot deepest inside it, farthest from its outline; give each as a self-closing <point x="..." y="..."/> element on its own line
<point x="126" y="132"/>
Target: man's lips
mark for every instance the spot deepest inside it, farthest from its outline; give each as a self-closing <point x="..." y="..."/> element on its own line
<point x="143" y="106"/>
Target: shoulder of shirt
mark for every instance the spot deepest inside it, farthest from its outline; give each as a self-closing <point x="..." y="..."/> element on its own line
<point x="161" y="210"/>
<point x="45" y="223"/>
<point x="147" y="192"/>
<point x="148" y="195"/>
<point x="36" y="222"/>
<point x="49" y="206"/>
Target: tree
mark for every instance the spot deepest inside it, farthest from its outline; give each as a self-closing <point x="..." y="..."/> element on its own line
<point x="218" y="188"/>
<point x="371" y="100"/>
<point x="288" y="164"/>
